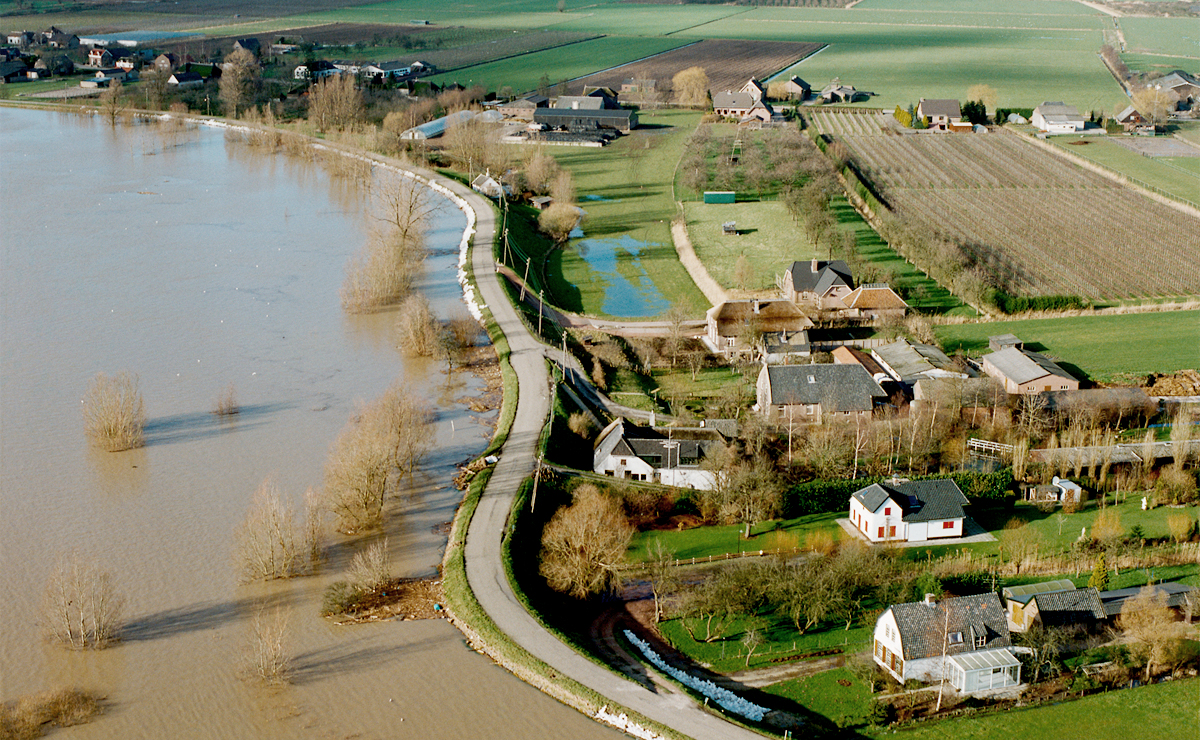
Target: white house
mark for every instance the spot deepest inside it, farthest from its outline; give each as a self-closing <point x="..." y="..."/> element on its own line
<point x="645" y="454"/>
<point x="964" y="640"/>
<point x="1057" y="118"/>
<point x="910" y="511"/>
<point x="490" y="186"/>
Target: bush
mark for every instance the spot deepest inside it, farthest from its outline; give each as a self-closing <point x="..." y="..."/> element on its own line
<point x="339" y="598"/>
<point x="114" y="412"/>
<point x="30" y="716"/>
<point x="82" y="607"/>
<point x="1018" y="304"/>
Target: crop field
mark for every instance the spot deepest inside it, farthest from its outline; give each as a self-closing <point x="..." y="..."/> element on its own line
<point x="1174" y="36"/>
<point x="1038" y="224"/>
<point x="1100" y="346"/>
<point x="564" y="63"/>
<point x="728" y="63"/>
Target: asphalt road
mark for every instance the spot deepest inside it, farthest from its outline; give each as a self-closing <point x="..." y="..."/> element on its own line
<point x="485" y="571"/>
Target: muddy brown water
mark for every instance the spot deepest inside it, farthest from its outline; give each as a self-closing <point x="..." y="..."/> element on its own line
<point x="197" y="262"/>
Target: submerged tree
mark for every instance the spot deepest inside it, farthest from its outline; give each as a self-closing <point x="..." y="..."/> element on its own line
<point x="82" y="608"/>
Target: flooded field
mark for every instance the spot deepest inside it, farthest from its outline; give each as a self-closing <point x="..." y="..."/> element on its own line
<point x="629" y="291"/>
<point x="198" y="263"/>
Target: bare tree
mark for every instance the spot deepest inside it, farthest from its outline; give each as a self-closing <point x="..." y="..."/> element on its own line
<point x="558" y="221"/>
<point x="985" y="94"/>
<point x="226" y="404"/>
<point x="584" y="544"/>
<point x="114" y="413"/>
<point x="1154" y="102"/>
<point x="540" y="171"/>
<point x="383" y="272"/>
<point x="273" y="542"/>
<point x="417" y="326"/>
<point x="663" y="577"/>
<point x="369" y="570"/>
<point x="82" y="608"/>
<point x="1019" y="542"/>
<point x="239" y="81"/>
<point x="385" y="442"/>
<point x="751" y="640"/>
<point x="691" y="88"/>
<point x="1149" y="624"/>
<point x="112" y="102"/>
<point x="335" y="103"/>
<point x="269" y="659"/>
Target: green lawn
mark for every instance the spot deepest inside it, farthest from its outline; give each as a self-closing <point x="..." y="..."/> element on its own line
<point x="1177" y="176"/>
<point x="1167" y="711"/>
<point x="1178" y="36"/>
<point x="625" y="265"/>
<point x="1098" y="347"/>
<point x="822" y="694"/>
<point x="718" y="540"/>
<point x="780" y="639"/>
<point x="768" y="236"/>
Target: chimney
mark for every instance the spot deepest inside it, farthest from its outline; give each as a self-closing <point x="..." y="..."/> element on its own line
<point x="929" y="600"/>
<point x="814" y="264"/>
<point x="755" y="305"/>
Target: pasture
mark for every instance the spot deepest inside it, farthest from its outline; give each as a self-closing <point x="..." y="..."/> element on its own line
<point x="1036" y="223"/>
<point x="522" y="73"/>
<point x="1155" y="712"/>
<point x="1173" y="176"/>
<point x="1103" y="347"/>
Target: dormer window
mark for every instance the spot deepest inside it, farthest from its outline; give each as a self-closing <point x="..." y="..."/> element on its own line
<point x="955" y="638"/>
<point x="811" y="379"/>
<point x="981" y="641"/>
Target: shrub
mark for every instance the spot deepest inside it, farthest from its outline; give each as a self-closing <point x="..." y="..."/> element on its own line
<point x="114" y="413"/>
<point x="226" y="403"/>
<point x="417" y="327"/>
<point x="82" y="607"/>
<point x="30" y="716"/>
<point x="339" y="598"/>
<point x="369" y="569"/>
<point x="273" y="542"/>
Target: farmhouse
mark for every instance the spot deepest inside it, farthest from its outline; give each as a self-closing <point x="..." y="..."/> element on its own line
<point x="873" y="301"/>
<point x="315" y="70"/>
<point x="392" y="70"/>
<point x="741" y="105"/>
<point x="836" y="92"/>
<point x="645" y="454"/>
<point x="21" y="39"/>
<point x="1185" y="87"/>
<point x="909" y="362"/>
<point x="490" y="186"/>
<point x="781" y="347"/>
<point x="638" y="86"/>
<point x="1130" y="119"/>
<point x="963" y="639"/>
<point x="251" y="45"/>
<point x="183" y="80"/>
<point x="523" y="108"/>
<point x="56" y="38"/>
<point x="166" y="62"/>
<point x="795" y="89"/>
<point x="941" y="113"/>
<point x="812" y="394"/>
<point x="909" y="511"/>
<point x="1022" y="371"/>
<point x="1057" y="118"/>
<point x="731" y="325"/>
<point x="823" y="285"/>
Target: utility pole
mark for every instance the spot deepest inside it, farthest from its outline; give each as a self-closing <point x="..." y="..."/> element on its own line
<point x="541" y="308"/>
<point x="564" y="355"/>
<point x="536" y="476"/>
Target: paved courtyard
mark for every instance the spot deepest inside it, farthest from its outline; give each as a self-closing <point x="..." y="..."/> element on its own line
<point x="972" y="533"/>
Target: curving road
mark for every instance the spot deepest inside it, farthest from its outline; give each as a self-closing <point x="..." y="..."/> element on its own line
<point x="485" y="571"/>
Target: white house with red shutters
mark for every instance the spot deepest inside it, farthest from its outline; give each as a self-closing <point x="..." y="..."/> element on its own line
<point x="909" y="511"/>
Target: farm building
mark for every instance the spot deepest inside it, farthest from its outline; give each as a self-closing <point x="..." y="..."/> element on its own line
<point x="638" y="86"/>
<point x="1130" y="119"/>
<point x="836" y="92"/>
<point x="781" y="347"/>
<point x="795" y="89"/>
<point x="1022" y="371"/>
<point x="971" y="396"/>
<point x="437" y="127"/>
<point x="1058" y="490"/>
<point x="873" y="301"/>
<point x="730" y="324"/>
<point x="820" y="284"/>
<point x="387" y="70"/>
<point x="251" y="44"/>
<point x="645" y="454"/>
<point x="623" y="120"/>
<point x="490" y="186"/>
<point x="1176" y="595"/>
<point x="909" y="511"/>
<point x="941" y="113"/>
<point x="1057" y="118"/>
<point x="523" y="108"/>
<point x="964" y="640"/>
<point x="844" y="355"/>
<point x="816" y="393"/>
<point x="1004" y="341"/>
<point x="909" y="362"/>
<point x="1185" y="87"/>
<point x="741" y="105"/>
<point x="578" y="102"/>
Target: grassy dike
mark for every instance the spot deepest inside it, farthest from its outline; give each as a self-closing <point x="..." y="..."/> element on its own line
<point x="465" y="611"/>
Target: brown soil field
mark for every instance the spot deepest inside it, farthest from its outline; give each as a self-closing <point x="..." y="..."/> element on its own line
<point x="729" y="63"/>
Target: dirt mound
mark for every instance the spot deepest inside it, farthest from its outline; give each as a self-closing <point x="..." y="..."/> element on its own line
<point x="403" y="599"/>
<point x="1182" y="383"/>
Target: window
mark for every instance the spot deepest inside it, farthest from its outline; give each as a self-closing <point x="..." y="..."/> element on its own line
<point x="891" y="531"/>
<point x="887" y="511"/>
<point x="888" y="631"/>
<point x="881" y="532"/>
<point x="955" y="638"/>
<point x="730" y="341"/>
<point x="981" y="641"/>
<point x="608" y="472"/>
<point x="947" y="525"/>
<point x="622" y="461"/>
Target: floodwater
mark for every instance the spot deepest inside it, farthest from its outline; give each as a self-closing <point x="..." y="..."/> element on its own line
<point x="629" y="291"/>
<point x="197" y="263"/>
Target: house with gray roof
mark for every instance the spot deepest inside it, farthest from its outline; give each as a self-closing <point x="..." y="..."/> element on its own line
<point x="646" y="454"/>
<point x="1177" y="596"/>
<point x="572" y="119"/>
<point x="940" y="112"/>
<point x="963" y="640"/>
<point x="741" y="105"/>
<point x="818" y="283"/>
<point x="523" y="108"/>
<point x="796" y="88"/>
<point x="812" y="394"/>
<point x="909" y="511"/>
<point x="909" y="362"/>
<point x="1057" y="118"/>
<point x="1185" y="87"/>
<point x="1022" y="371"/>
<point x="1078" y="608"/>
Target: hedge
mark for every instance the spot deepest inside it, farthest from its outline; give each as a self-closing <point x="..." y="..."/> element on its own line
<point x="1017" y="304"/>
<point x="828" y="496"/>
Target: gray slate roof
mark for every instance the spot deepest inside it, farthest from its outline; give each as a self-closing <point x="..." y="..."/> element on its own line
<point x="828" y="274"/>
<point x="910" y="360"/>
<point x="1022" y="366"/>
<point x="923" y="627"/>
<point x="940" y="107"/>
<point x="841" y="388"/>
<point x="730" y="99"/>
<point x="1064" y="608"/>
<point x="1114" y="601"/>
<point x="920" y="500"/>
